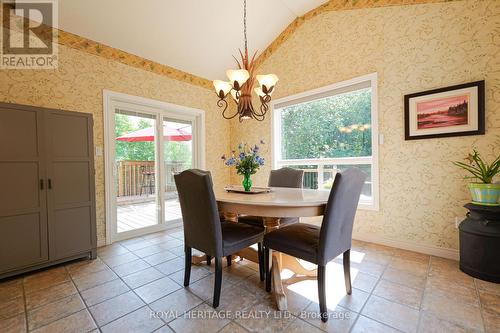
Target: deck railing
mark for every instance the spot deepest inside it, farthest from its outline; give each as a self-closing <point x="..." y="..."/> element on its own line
<point x="137" y="178"/>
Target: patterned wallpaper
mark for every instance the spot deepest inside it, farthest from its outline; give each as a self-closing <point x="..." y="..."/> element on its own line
<point x="412" y="48"/>
<point x="77" y="85"/>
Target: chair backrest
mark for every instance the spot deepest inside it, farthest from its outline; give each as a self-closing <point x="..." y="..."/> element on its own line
<point x="200" y="216"/>
<point x="338" y="220"/>
<point x="286" y="177"/>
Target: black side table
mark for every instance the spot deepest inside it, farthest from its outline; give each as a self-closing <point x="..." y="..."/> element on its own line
<point x="480" y="242"/>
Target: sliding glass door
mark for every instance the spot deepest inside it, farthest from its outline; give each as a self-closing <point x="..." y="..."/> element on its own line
<point x="146" y="148"/>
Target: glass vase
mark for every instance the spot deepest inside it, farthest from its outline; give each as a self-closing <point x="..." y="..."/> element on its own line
<point x="247" y="183"/>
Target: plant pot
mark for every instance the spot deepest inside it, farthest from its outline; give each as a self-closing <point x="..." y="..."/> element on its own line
<point x="247" y="183"/>
<point x="485" y="194"/>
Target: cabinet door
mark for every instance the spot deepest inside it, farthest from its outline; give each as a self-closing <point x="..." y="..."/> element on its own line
<point x="70" y="173"/>
<point x="23" y="210"/>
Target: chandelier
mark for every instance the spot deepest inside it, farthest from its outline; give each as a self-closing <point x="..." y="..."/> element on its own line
<point x="241" y="82"/>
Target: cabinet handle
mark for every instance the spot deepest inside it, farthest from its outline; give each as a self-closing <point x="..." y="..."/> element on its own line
<point x="41" y="184"/>
<point x="50" y="184"/>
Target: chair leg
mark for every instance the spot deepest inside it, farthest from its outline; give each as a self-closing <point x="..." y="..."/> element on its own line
<point x="209" y="260"/>
<point x="187" y="265"/>
<point x="268" y="259"/>
<point x="260" y="254"/>
<point x="347" y="271"/>
<point x="322" y="293"/>
<point x="218" y="281"/>
<point x="229" y="260"/>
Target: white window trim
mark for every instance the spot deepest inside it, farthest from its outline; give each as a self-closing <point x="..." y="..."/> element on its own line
<point x="113" y="100"/>
<point x="276" y="138"/>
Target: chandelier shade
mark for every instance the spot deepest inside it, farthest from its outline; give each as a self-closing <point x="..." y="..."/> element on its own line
<point x="241" y="85"/>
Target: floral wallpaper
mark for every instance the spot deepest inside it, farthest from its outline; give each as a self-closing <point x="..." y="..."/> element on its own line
<point x="77" y="85"/>
<point x="412" y="48"/>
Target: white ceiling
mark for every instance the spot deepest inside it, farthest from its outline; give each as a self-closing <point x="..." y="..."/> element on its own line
<point x="196" y="36"/>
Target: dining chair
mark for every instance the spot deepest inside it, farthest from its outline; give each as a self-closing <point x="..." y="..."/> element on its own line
<point x="203" y="228"/>
<point x="319" y="245"/>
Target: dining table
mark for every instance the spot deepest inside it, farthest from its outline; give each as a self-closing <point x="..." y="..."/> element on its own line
<point x="277" y="203"/>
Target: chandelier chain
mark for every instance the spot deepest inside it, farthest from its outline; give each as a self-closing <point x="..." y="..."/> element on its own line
<point x="245" y="23"/>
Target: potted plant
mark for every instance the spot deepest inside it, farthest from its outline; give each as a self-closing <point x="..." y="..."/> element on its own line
<point x="247" y="162"/>
<point x="484" y="192"/>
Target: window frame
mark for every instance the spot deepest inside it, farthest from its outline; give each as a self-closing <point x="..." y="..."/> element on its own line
<point x="277" y="162"/>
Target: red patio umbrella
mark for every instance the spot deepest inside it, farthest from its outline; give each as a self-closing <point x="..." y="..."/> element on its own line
<point x="148" y="134"/>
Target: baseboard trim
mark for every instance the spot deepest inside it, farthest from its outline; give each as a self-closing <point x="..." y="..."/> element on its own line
<point x="410" y="246"/>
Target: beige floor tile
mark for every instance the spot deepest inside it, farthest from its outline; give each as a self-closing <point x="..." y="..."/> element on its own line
<point x="447" y="308"/>
<point x="104" y="291"/>
<point x="138" y="321"/>
<point x="367" y="325"/>
<point x="143" y="277"/>
<point x="429" y="323"/>
<point x="370" y="268"/>
<point x="45" y="279"/>
<point x="376" y="257"/>
<point x="11" y="289"/>
<point x="15" y="324"/>
<point x="448" y="269"/>
<point x="11" y="307"/>
<point x="164" y="329"/>
<point x="301" y="326"/>
<point x="405" y="278"/>
<point x="136" y="245"/>
<point x="410" y="266"/>
<point x="78" y="322"/>
<point x="237" y="273"/>
<point x="175" y="304"/>
<point x="49" y="295"/>
<point x="440" y="286"/>
<point x="399" y="293"/>
<point x="364" y="282"/>
<point x="490" y="302"/>
<point x="171" y="266"/>
<point x="202" y="320"/>
<point x="491" y="321"/>
<point x="235" y="299"/>
<point x="392" y="314"/>
<point x="120" y="259"/>
<point x="115" y="308"/>
<point x="413" y="256"/>
<point x="204" y="288"/>
<point x="48" y="313"/>
<point x="157" y="289"/>
<point x="340" y="320"/>
<point x="232" y="327"/>
<point x="197" y="272"/>
<point x="111" y="251"/>
<point x="84" y="267"/>
<point x="147" y="251"/>
<point x="170" y="244"/>
<point x="387" y="250"/>
<point x="264" y="318"/>
<point x="159" y="257"/>
<point x="131" y="267"/>
<point x="493" y="288"/>
<point x="91" y="280"/>
<point x="295" y="301"/>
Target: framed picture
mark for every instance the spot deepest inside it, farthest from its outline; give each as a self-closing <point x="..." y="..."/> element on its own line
<point x="451" y="111"/>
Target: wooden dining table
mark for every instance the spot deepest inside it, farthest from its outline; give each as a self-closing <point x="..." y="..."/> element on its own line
<point x="278" y="203"/>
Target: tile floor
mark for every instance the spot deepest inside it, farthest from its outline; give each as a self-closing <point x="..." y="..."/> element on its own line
<point x="136" y="286"/>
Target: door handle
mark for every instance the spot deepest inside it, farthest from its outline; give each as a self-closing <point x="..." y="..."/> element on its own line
<point x="41" y="184"/>
<point x="50" y="183"/>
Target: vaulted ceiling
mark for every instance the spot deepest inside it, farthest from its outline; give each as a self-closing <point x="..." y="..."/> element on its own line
<point x="195" y="36"/>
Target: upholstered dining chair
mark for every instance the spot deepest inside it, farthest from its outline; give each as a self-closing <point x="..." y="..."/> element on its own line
<point x="203" y="229"/>
<point x="320" y="245"/>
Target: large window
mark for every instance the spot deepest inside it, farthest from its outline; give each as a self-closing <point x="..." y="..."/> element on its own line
<point x="328" y="130"/>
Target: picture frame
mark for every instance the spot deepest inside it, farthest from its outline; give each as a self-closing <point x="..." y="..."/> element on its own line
<point x="457" y="110"/>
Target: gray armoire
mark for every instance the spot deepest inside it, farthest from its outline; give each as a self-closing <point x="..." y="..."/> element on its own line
<point x="47" y="189"/>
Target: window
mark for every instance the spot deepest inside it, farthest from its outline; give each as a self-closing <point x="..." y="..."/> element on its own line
<point x="328" y="130"/>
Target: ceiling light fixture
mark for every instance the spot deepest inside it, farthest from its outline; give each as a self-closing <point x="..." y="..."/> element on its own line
<point x="241" y="83"/>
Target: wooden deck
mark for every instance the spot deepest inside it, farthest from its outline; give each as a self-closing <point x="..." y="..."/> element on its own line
<point x="143" y="214"/>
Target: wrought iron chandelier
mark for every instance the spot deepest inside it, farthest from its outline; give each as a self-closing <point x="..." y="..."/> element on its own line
<point x="241" y="82"/>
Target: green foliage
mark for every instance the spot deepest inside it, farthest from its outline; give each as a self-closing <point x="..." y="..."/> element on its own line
<point x="313" y="129"/>
<point x="145" y="151"/>
<point x="480" y="169"/>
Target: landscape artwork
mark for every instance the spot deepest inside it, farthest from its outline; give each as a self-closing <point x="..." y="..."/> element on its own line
<point x="451" y="111"/>
<point x="443" y="112"/>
